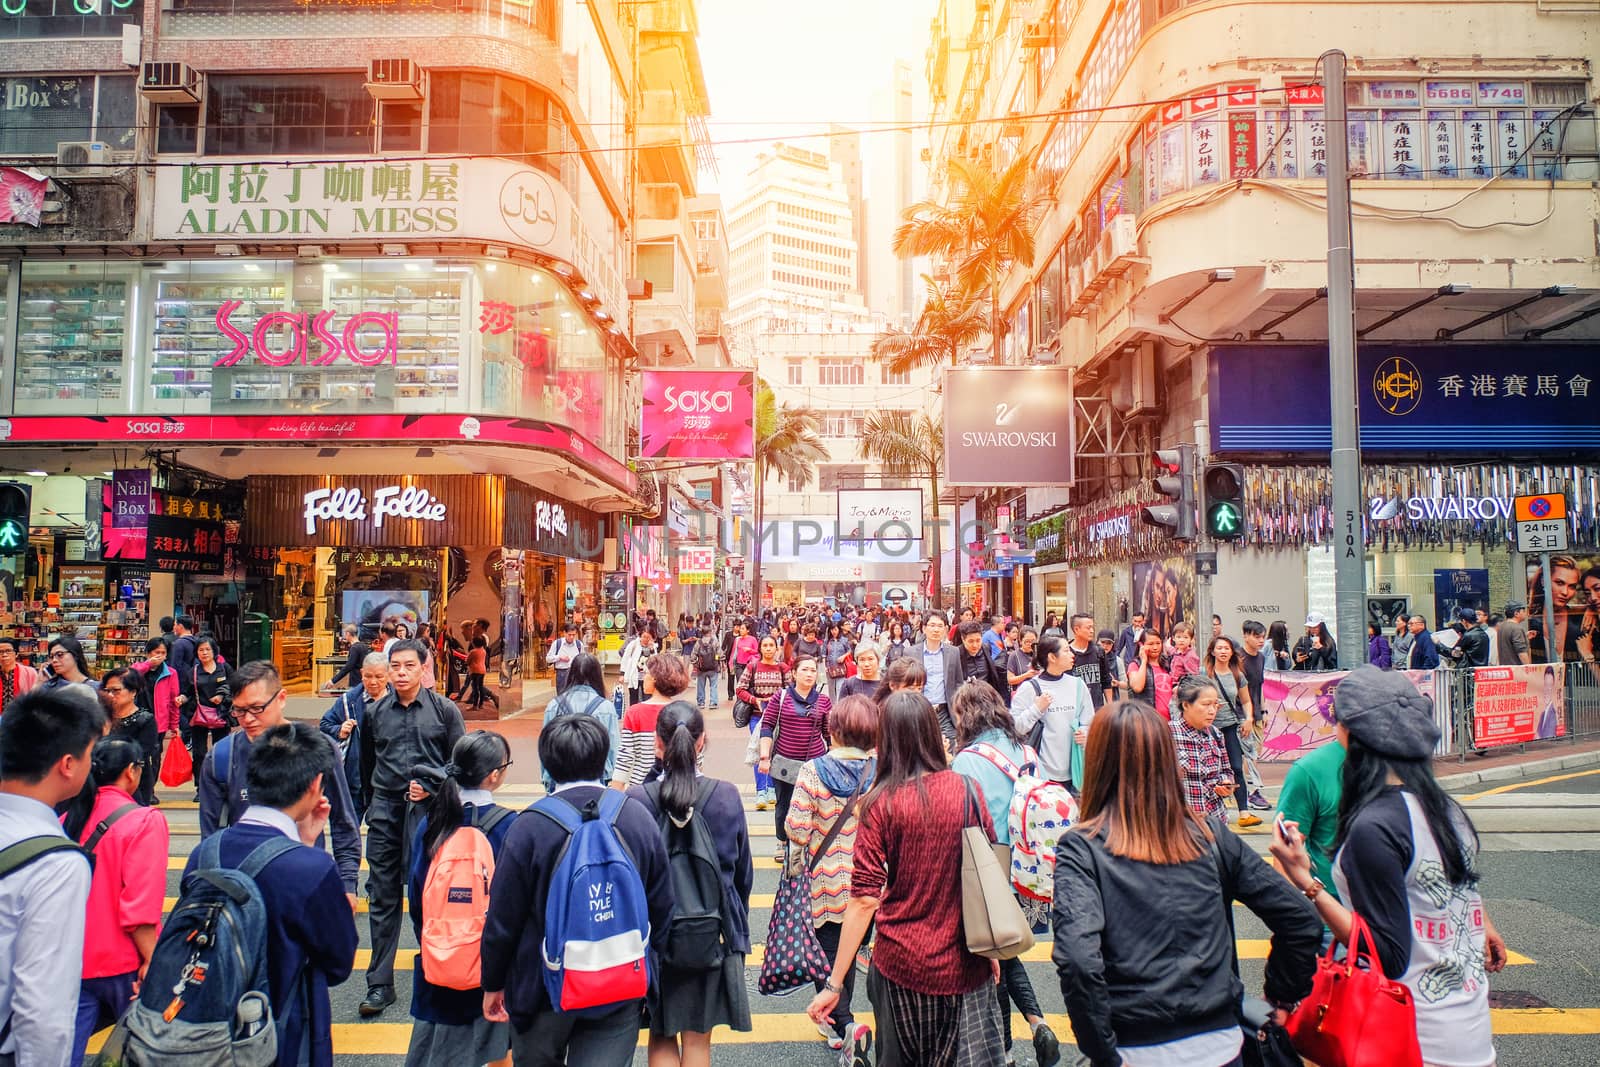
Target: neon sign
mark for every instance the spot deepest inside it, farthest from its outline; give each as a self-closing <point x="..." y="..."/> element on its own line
<point x="303" y="328"/>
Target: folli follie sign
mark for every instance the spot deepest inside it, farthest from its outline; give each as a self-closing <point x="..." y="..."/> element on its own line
<point x="375" y="510"/>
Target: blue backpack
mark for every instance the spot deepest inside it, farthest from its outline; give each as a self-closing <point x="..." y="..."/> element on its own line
<point x="204" y="1000"/>
<point x="597" y="917"/>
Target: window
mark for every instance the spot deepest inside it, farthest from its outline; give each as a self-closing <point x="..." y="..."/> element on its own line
<point x="797" y="371"/>
<point x="798" y="484"/>
<point x="71" y="339"/>
<point x="399" y="126"/>
<point x="842" y="423"/>
<point x="28" y="19"/>
<point x="656" y="265"/>
<point x="489" y="114"/>
<point x="178" y="129"/>
<point x="841" y="372"/>
<point x="40" y="113"/>
<point x="891" y="377"/>
<point x="257" y="114"/>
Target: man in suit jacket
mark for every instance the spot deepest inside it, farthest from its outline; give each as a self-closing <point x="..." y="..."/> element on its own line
<point x="942" y="662"/>
<point x="311" y="931"/>
<point x="1127" y="647"/>
<point x="345" y="723"/>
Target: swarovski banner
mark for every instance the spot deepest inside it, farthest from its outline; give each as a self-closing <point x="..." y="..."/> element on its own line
<point x="880" y="514"/>
<point x="1008" y="426"/>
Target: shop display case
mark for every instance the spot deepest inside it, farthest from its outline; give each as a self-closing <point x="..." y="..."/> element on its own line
<point x="83" y="602"/>
<point x="70" y="342"/>
<point x="187" y="340"/>
<point x="428" y="310"/>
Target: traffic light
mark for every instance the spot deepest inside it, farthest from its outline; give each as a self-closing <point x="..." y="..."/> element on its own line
<point x="1224" y="501"/>
<point x="1175" y="481"/>
<point x="16" y="512"/>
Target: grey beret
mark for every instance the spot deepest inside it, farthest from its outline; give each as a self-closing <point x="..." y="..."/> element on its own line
<point x="1385" y="712"/>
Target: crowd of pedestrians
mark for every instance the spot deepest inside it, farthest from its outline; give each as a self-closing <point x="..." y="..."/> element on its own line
<point x="1097" y="767"/>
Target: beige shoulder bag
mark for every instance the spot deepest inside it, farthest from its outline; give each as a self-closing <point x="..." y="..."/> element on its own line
<point x="991" y="918"/>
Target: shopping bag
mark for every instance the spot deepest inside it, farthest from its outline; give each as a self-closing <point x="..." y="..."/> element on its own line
<point x="793" y="958"/>
<point x="176" y="766"/>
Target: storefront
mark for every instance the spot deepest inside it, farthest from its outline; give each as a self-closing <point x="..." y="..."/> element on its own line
<point x="440" y="551"/>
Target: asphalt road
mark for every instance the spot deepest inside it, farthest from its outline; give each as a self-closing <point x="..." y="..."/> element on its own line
<point x="1540" y="860"/>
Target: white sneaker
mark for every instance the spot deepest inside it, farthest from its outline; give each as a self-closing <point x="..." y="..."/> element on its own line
<point x="835" y="1042"/>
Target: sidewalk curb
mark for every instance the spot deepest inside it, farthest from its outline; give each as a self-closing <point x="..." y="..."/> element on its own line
<point x="1511" y="771"/>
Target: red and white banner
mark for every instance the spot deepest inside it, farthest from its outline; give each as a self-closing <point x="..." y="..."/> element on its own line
<point x="21" y="196"/>
<point x="1519" y="703"/>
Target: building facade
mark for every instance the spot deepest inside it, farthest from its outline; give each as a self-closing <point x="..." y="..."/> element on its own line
<point x="349" y="245"/>
<point x="1180" y="155"/>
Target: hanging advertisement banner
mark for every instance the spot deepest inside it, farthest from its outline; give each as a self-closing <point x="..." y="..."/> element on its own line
<point x="1522" y="702"/>
<point x="697" y="414"/>
<point x="1010" y="426"/>
<point x="880" y="514"/>
<point x="697" y="564"/>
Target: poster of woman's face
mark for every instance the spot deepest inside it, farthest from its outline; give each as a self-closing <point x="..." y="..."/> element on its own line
<point x="1575" y="596"/>
<point x="371" y="608"/>
<point x="1164" y="591"/>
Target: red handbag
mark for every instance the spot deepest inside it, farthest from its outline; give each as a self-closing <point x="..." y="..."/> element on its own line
<point x="1356" y="1016"/>
<point x="176" y="765"/>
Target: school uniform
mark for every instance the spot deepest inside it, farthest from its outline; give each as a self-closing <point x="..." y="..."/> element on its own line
<point x="450" y="1028"/>
<point x="310" y="932"/>
<point x="513" y="936"/>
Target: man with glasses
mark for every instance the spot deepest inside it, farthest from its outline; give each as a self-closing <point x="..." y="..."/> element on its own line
<point x="16" y="678"/>
<point x="258" y="701"/>
<point x="410" y="727"/>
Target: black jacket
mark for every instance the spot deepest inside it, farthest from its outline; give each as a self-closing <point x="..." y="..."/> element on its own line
<point x="982" y="668"/>
<point x="1325" y="658"/>
<point x="1473" y="648"/>
<point x="1128" y="979"/>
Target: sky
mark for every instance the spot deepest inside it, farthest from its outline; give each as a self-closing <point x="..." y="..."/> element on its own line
<point x="777" y="69"/>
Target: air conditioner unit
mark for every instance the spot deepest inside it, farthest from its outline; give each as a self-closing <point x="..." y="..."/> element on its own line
<point x="1133" y="383"/>
<point x="980" y="356"/>
<point x="394" y="79"/>
<point x="80" y="159"/>
<point x="1121" y="237"/>
<point x="170" y="83"/>
<point x="1046" y="357"/>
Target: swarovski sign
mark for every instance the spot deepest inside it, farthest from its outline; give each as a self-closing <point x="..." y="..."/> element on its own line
<point x="350" y="505"/>
<point x="1008" y="426"/>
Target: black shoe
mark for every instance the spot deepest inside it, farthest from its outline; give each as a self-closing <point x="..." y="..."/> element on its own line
<point x="1046" y="1046"/>
<point x="378" y="998"/>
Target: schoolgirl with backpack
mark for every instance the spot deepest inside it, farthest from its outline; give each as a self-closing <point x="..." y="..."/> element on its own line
<point x="452" y="867"/>
<point x="701" y="984"/>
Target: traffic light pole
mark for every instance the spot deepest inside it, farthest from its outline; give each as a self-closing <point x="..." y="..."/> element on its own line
<point x="1349" y="560"/>
<point x="1202" y="543"/>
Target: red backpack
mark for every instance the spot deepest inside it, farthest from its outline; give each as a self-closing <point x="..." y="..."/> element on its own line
<point x="455" y="900"/>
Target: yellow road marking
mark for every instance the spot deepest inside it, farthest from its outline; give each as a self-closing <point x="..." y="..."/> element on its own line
<point x="1497" y="790"/>
<point x="393" y="1039"/>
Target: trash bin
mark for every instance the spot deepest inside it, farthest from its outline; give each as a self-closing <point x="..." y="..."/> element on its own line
<point x="255" y="637"/>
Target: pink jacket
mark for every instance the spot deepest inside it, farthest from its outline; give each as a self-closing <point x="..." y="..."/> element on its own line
<point x="27" y="678"/>
<point x="163" y="696"/>
<point x="130" y="879"/>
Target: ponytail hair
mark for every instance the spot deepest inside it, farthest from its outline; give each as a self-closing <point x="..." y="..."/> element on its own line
<point x="475" y="757"/>
<point x="679" y="728"/>
<point x="112" y="756"/>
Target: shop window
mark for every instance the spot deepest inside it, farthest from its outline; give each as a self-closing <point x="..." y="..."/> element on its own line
<point x="71" y="340"/>
<point x="258" y="114"/>
<point x="32" y="19"/>
<point x="40" y="113"/>
<point x="656" y="265"/>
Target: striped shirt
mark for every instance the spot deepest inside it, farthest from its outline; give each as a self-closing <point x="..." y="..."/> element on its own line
<point x="812" y="814"/>
<point x="638" y="749"/>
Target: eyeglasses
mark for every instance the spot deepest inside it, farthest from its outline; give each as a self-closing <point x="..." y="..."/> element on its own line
<point x="253" y="711"/>
<point x="60" y="653"/>
<point x="504" y="766"/>
<point x="114" y="689"/>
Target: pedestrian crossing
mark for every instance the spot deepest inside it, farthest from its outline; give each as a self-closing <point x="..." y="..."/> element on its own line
<point x="781" y="1032"/>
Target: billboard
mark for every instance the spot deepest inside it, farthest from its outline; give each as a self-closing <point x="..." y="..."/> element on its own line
<point x="1518" y="703"/>
<point x="698" y="414"/>
<point x="880" y="514"/>
<point x="1008" y="426"/>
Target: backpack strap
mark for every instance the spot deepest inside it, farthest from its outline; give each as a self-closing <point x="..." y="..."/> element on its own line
<point x="487" y="818"/>
<point x="611" y="802"/>
<point x="559" y="810"/>
<point x="19" y="854"/>
<point x="996" y="757"/>
<point x="106" y="824"/>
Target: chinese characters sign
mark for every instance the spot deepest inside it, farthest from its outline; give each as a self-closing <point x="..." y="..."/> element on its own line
<point x="697" y="564"/>
<point x="1413" y="398"/>
<point x="697" y="415"/>
<point x="185" y="534"/>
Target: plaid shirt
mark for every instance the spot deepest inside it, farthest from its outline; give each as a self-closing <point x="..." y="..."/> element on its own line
<point x="1202" y="763"/>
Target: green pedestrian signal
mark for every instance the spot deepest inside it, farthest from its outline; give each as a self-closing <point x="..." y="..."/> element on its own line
<point x="1224" y="501"/>
<point x="16" y="513"/>
<point x="13" y="535"/>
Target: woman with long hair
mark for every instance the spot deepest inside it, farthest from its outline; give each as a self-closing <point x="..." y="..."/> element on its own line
<point x="762" y="678"/>
<point x="1278" y="642"/>
<point x="1062" y="700"/>
<point x="794" y="728"/>
<point x="895" y="644"/>
<point x="1149" y="675"/>
<point x="67" y="664"/>
<point x="1137" y="994"/>
<point x="585" y="694"/>
<point x="686" y="1005"/>
<point x="990" y="752"/>
<point x="449" y="1027"/>
<point x="1406" y="862"/>
<point x="209" y="698"/>
<point x="1235" y="715"/>
<point x="665" y="676"/>
<point x="836" y="657"/>
<point x="123" y="915"/>
<point x="821" y="798"/>
<point x="119" y="695"/>
<point x="1379" y="654"/>
<point x="934" y="1001"/>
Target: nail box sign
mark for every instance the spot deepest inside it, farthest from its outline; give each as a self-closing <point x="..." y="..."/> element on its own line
<point x="350" y="504"/>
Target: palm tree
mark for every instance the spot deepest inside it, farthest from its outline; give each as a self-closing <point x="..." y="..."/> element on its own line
<point x="951" y="319"/>
<point x="910" y="445"/>
<point x="788" y="444"/>
<point x="986" y="226"/>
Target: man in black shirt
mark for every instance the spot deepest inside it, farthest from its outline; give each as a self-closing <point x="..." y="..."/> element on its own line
<point x="411" y="726"/>
<point x="1090" y="662"/>
<point x="975" y="662"/>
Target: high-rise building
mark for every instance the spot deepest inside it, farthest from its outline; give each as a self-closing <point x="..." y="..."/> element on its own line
<point x="894" y="178"/>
